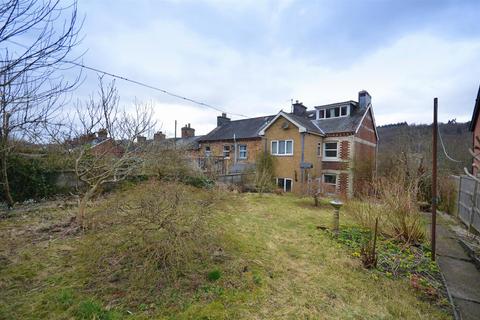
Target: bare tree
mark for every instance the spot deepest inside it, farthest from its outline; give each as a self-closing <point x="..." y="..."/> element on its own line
<point x="36" y="41"/>
<point x="113" y="155"/>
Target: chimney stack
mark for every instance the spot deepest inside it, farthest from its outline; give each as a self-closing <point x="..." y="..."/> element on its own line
<point x="221" y="120"/>
<point x="187" y="131"/>
<point x="159" y="136"/>
<point x="102" y="134"/>
<point x="141" y="139"/>
<point x="364" y="99"/>
<point x="299" y="109"/>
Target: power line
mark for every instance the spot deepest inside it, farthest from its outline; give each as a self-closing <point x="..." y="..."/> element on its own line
<point x="203" y="104"/>
<point x="443" y="147"/>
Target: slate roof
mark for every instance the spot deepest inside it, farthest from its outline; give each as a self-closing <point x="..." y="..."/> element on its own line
<point x="342" y="124"/>
<point x="306" y="121"/>
<point x="476" y="111"/>
<point x="189" y="143"/>
<point x="243" y="129"/>
<point x="250" y="128"/>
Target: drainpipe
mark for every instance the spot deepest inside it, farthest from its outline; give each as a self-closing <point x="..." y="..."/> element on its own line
<point x="302" y="161"/>
<point x="235" y="149"/>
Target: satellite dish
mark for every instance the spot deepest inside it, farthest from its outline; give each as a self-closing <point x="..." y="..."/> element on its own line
<point x="285" y="125"/>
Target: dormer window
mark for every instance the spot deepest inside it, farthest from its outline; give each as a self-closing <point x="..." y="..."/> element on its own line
<point x="334" y="112"/>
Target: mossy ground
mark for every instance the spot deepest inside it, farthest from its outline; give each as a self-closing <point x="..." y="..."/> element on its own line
<point x="274" y="263"/>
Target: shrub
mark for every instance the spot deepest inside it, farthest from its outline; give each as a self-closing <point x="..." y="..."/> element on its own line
<point x="161" y="234"/>
<point x="264" y="173"/>
<point x="198" y="182"/>
<point x="31" y="178"/>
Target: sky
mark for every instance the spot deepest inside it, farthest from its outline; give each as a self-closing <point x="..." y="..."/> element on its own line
<point x="253" y="57"/>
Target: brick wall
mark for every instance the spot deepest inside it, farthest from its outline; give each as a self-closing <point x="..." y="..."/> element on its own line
<point x="344" y="150"/>
<point x="476" y="133"/>
<point x="365" y="156"/>
<point x="343" y="184"/>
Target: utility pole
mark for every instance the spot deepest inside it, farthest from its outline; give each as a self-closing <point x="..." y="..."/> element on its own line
<point x="175" y="136"/>
<point x="434" y="177"/>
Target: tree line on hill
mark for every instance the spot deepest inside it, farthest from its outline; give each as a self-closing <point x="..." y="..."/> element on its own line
<point x="413" y="142"/>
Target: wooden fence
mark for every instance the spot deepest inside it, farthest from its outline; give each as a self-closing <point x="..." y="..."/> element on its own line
<point x="469" y="202"/>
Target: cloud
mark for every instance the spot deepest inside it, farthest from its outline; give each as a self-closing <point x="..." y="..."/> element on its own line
<point x="259" y="76"/>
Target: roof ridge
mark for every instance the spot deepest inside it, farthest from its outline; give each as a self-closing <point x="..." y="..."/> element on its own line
<point x="249" y="119"/>
<point x="336" y="103"/>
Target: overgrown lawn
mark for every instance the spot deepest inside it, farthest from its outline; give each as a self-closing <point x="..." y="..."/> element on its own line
<point x="248" y="257"/>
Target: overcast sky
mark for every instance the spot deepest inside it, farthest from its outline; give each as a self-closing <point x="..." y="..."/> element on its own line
<point x="252" y="57"/>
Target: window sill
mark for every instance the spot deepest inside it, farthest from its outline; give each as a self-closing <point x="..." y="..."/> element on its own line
<point x="331" y="159"/>
<point x="283" y="155"/>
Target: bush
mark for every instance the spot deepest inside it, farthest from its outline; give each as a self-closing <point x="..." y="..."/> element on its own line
<point x="31" y="178"/>
<point x="198" y="182"/>
<point x="169" y="164"/>
<point x="264" y="173"/>
<point x="149" y="237"/>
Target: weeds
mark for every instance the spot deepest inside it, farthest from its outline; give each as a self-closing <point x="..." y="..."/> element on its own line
<point x="396" y="207"/>
<point x="395" y="260"/>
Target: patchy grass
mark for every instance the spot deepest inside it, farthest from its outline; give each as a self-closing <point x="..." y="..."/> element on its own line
<point x="260" y="257"/>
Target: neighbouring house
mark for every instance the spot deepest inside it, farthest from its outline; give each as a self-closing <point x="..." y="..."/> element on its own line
<point x="475" y="129"/>
<point x="100" y="143"/>
<point x="331" y="147"/>
<point x="237" y="142"/>
<point x="187" y="142"/>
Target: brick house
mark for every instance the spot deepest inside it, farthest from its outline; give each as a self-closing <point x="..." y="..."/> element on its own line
<point x="333" y="146"/>
<point x="475" y="129"/>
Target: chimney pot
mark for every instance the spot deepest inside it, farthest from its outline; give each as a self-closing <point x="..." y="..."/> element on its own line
<point x="187" y="131"/>
<point x="159" y="136"/>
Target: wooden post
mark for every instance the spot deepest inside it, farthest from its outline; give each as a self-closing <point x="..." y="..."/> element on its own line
<point x="434" y="177"/>
<point x="474" y="206"/>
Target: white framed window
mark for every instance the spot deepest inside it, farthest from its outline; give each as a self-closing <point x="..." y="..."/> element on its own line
<point x="319" y="149"/>
<point x="285" y="184"/>
<point x="334" y="112"/>
<point x="330" y="150"/>
<point x="282" y="147"/>
<point x="208" y="151"/>
<point x="330" y="178"/>
<point x="242" y="151"/>
<point x="226" y="151"/>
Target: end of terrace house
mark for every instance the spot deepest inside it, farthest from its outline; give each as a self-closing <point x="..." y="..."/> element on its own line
<point x="331" y="146"/>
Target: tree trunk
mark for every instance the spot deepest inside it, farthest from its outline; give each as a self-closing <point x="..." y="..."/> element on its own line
<point x="6" y="186"/>
<point x="82" y="207"/>
<point x="315" y="199"/>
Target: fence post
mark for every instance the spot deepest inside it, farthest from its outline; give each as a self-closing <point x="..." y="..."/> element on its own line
<point x="459" y="194"/>
<point x="474" y="206"/>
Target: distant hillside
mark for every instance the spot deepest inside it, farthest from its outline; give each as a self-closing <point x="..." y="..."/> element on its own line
<point x="416" y="141"/>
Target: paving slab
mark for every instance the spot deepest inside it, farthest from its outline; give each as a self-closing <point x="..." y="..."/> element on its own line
<point x="461" y="276"/>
